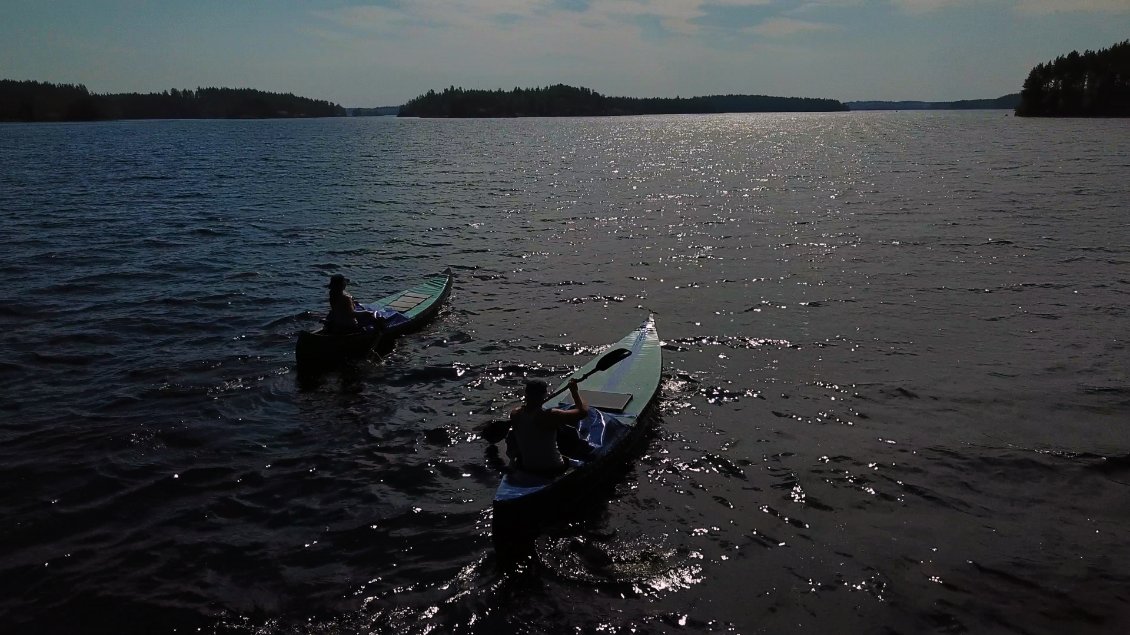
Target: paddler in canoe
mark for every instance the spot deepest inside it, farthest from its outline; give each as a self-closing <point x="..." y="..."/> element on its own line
<point x="346" y="314"/>
<point x="538" y="436"/>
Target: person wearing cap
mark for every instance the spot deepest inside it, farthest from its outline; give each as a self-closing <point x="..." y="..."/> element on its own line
<point x="341" y="318"/>
<point x="346" y="314"/>
<point x="534" y="431"/>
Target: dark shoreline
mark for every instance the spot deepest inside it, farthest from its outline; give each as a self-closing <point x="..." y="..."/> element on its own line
<point x="569" y="101"/>
<point x="31" y="101"/>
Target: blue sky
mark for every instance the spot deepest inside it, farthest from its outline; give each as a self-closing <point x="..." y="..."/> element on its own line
<point x="387" y="51"/>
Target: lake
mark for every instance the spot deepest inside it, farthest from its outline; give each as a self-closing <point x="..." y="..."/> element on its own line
<point x="895" y="392"/>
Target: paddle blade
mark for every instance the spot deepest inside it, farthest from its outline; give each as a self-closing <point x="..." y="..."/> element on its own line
<point x="606" y="361"/>
<point x="494" y="431"/>
<point x="612" y="357"/>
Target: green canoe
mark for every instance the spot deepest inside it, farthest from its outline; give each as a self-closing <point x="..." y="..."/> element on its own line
<point x="617" y="397"/>
<point x="401" y="312"/>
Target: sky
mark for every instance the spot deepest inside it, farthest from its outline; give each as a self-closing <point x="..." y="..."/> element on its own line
<point x="385" y="52"/>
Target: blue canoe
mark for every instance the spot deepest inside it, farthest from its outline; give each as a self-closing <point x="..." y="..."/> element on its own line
<point x="617" y="397"/>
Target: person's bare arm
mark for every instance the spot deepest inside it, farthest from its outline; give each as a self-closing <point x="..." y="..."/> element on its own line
<point x="580" y="409"/>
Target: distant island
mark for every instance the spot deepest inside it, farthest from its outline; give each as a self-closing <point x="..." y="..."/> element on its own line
<point x="568" y="101"/>
<point x="1094" y="84"/>
<point x="42" y="101"/>
<point x="1007" y="102"/>
<point x="379" y="111"/>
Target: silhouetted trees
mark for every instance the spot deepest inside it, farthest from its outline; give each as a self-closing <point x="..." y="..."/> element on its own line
<point x="568" y="101"/>
<point x="379" y="111"/>
<point x="1092" y="84"/>
<point x="38" y="101"/>
<point x="41" y="101"/>
<point x="1006" y="102"/>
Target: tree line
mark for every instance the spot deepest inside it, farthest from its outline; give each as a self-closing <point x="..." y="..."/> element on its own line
<point x="1006" y="102"/>
<point x="569" y="101"/>
<point x="379" y="111"/>
<point x="1091" y="84"/>
<point x="42" y="101"/>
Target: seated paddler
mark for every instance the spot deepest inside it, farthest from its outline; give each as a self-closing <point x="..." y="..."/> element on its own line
<point x="346" y="314"/>
<point x="538" y="436"/>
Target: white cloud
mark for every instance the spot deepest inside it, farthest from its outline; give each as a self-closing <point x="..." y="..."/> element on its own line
<point x="925" y="6"/>
<point x="618" y="16"/>
<point x="1037" y="7"/>
<point x="781" y="27"/>
<point x="1044" y="7"/>
<point x="623" y="47"/>
<point x="834" y="4"/>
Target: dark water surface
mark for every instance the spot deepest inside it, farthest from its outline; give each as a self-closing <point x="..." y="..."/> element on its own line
<point x="895" y="397"/>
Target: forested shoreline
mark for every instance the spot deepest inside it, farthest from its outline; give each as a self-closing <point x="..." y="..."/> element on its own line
<point x="1091" y="84"/>
<point x="42" y="101"/>
<point x="568" y="101"/>
<point x="1006" y="102"/>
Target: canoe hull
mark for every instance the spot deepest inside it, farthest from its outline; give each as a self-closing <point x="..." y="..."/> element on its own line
<point x="318" y="349"/>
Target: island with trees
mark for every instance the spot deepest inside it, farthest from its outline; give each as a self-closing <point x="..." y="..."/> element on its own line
<point x="42" y="101"/>
<point x="569" y="101"/>
<point x="1006" y="102"/>
<point x="379" y="111"/>
<point x="1091" y="84"/>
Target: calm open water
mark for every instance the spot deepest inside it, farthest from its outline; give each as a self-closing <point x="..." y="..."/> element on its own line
<point x="895" y="398"/>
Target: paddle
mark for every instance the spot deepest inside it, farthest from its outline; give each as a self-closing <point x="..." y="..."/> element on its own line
<point x="496" y="430"/>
